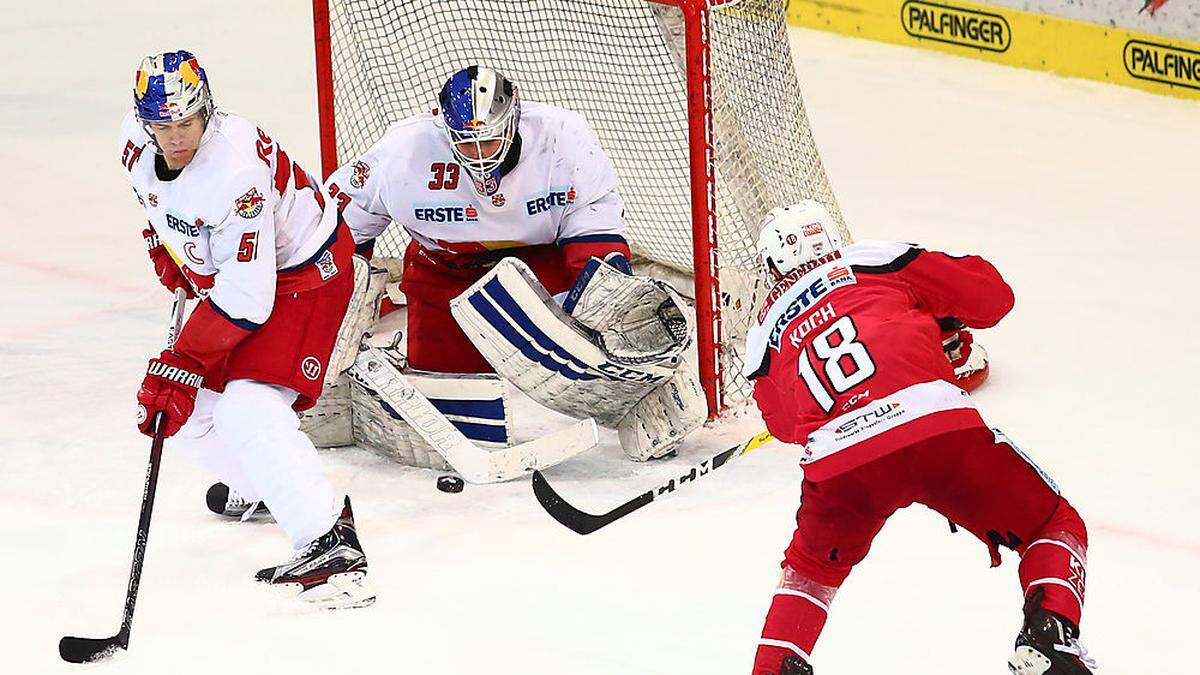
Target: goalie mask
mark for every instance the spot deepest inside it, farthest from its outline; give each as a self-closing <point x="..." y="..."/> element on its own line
<point x="481" y="111"/>
<point x="796" y="234"/>
<point x="171" y="87"/>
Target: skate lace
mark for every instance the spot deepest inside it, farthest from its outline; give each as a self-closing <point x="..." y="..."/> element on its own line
<point x="236" y="500"/>
<point x="1076" y="649"/>
<point x="304" y="552"/>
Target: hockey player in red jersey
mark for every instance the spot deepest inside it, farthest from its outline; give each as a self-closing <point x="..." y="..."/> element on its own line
<point x="242" y="228"/>
<point x="847" y="362"/>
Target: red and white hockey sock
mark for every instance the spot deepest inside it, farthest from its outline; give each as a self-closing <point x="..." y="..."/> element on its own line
<point x="797" y="615"/>
<point x="1056" y="562"/>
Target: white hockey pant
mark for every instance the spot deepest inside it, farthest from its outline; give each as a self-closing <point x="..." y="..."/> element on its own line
<point x="249" y="437"/>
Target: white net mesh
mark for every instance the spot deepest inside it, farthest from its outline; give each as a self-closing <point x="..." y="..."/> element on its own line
<point x="619" y="63"/>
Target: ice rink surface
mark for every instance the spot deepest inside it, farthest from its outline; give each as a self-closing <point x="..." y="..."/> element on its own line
<point x="1084" y="195"/>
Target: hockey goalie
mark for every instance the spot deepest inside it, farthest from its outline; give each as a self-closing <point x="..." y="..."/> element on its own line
<point x="517" y="270"/>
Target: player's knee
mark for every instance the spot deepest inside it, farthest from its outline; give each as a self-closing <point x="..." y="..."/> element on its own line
<point x="827" y="568"/>
<point x="1066" y="524"/>
<point x="248" y="408"/>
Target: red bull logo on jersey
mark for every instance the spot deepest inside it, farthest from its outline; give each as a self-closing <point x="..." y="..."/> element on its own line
<point x="811" y="229"/>
<point x="250" y="204"/>
<point x="359" y="172"/>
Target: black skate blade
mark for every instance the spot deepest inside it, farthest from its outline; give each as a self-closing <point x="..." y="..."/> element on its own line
<point x="87" y="650"/>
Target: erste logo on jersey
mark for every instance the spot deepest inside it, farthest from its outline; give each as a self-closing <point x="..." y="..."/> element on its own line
<point x="182" y="226"/>
<point x="446" y="212"/>
<point x="250" y="204"/>
<point x="556" y="197"/>
<point x="781" y="287"/>
<point x="359" y="172"/>
<point x="818" y="286"/>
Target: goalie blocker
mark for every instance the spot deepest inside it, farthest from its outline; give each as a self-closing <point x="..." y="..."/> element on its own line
<point x="617" y="349"/>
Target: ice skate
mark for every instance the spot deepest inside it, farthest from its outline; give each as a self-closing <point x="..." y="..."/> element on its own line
<point x="330" y="571"/>
<point x="793" y="665"/>
<point x="1048" y="644"/>
<point x="226" y="501"/>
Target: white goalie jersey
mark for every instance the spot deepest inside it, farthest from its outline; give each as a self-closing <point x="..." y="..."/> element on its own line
<point x="563" y="187"/>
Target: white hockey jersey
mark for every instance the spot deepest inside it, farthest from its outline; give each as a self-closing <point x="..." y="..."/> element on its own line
<point x="239" y="215"/>
<point x="562" y="189"/>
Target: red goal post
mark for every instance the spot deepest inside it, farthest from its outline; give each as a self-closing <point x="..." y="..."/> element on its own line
<point x="696" y="102"/>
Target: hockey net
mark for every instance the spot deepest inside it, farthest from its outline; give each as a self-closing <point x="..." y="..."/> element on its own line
<point x="626" y="66"/>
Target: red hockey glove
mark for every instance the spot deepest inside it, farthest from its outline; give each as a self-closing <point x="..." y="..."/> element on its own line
<point x="968" y="359"/>
<point x="170" y="388"/>
<point x="168" y="272"/>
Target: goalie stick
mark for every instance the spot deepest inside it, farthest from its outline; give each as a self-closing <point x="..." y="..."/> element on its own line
<point x="375" y="371"/>
<point x="587" y="523"/>
<point x="83" y="650"/>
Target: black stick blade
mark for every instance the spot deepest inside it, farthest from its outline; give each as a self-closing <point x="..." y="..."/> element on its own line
<point x="86" y="650"/>
<point x="576" y="520"/>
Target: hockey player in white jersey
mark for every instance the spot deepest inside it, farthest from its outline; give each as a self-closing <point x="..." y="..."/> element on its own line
<point x="241" y="227"/>
<point x="507" y="203"/>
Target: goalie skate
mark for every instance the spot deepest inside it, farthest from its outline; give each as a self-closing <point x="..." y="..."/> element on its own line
<point x="329" y="572"/>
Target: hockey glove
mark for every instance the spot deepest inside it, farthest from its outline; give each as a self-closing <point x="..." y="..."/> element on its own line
<point x="168" y="272"/>
<point x="968" y="359"/>
<point x="170" y="388"/>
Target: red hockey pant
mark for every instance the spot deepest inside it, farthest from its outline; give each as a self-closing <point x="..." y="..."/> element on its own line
<point x="435" y="342"/>
<point x="974" y="478"/>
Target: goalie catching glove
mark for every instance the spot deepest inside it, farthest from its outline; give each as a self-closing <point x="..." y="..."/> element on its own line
<point x="616" y="350"/>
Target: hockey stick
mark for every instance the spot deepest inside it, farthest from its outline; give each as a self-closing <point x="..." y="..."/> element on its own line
<point x="586" y="523"/>
<point x="375" y="371"/>
<point x="83" y="650"/>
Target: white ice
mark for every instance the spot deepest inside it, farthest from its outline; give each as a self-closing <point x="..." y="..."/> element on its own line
<point x="1083" y="194"/>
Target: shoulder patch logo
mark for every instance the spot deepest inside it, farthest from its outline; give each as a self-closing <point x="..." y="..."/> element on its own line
<point x="250" y="204"/>
<point x="360" y="172"/>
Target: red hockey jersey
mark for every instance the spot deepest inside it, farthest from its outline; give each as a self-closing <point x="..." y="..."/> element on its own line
<point x="846" y="355"/>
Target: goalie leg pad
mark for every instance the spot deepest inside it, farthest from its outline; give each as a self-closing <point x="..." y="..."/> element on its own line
<point x="363" y="311"/>
<point x="660" y="421"/>
<point x="476" y="404"/>
<point x="328" y="423"/>
<point x="528" y="338"/>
